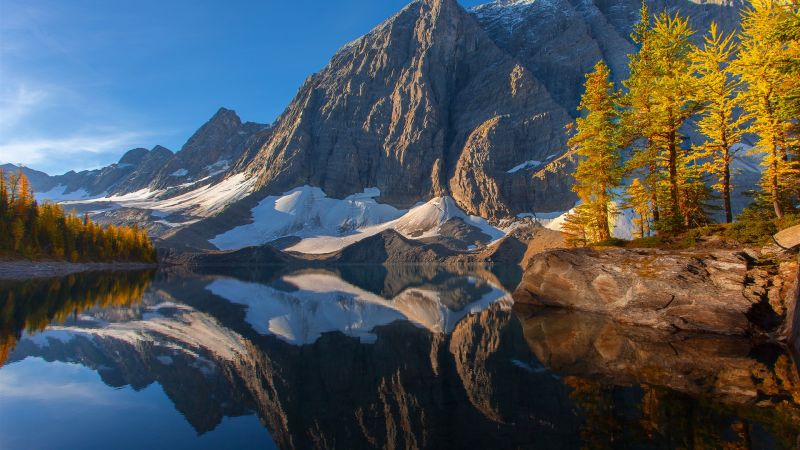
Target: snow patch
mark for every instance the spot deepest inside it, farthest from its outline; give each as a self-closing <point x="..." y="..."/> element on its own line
<point x="526" y="166"/>
<point x="180" y="173"/>
<point x="421" y="221"/>
<point x="60" y="194"/>
<point x="201" y="202"/>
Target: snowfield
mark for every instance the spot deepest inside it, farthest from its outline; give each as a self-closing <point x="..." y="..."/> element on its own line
<point x="326" y="225"/>
<point x="60" y="194"/>
<point x="202" y="202"/>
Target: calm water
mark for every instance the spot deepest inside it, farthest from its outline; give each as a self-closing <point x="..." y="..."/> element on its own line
<point x="356" y="357"/>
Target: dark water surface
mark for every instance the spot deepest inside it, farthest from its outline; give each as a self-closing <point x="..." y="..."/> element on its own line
<point x="359" y="357"/>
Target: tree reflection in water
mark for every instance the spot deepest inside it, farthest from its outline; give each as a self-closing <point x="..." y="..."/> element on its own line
<point x="31" y="305"/>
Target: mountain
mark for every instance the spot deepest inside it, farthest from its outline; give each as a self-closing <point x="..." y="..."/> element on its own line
<point x="424" y="105"/>
<point x="205" y="157"/>
<point x="39" y="180"/>
<point x="437" y="102"/>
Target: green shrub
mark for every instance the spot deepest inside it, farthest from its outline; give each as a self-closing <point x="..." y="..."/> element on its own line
<point x="611" y="242"/>
<point x="648" y="242"/>
<point x="787" y="221"/>
<point x="752" y="231"/>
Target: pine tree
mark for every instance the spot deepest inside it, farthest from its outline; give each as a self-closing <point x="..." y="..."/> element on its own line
<point x="638" y="111"/>
<point x="579" y="229"/>
<point x="638" y="199"/>
<point x="760" y="65"/>
<point x="598" y="142"/>
<point x="673" y="96"/>
<point x="658" y="102"/>
<point x="44" y="231"/>
<point x="719" y="123"/>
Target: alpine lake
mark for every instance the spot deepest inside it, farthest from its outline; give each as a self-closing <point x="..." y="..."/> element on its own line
<point x="350" y="357"/>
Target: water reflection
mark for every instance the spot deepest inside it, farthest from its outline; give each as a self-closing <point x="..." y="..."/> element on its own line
<point x="406" y="356"/>
<point x="30" y="306"/>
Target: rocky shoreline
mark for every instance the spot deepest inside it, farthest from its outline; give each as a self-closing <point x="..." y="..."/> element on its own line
<point x="26" y="270"/>
<point x="731" y="292"/>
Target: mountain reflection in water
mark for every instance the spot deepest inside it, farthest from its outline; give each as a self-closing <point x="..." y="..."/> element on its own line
<point x="361" y="357"/>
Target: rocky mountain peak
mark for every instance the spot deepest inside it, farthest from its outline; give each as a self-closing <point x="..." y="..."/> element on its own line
<point x="134" y="157"/>
<point x="161" y="150"/>
<point x="408" y="108"/>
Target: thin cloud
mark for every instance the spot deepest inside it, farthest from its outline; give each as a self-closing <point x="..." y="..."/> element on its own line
<point x="40" y="151"/>
<point x="18" y="103"/>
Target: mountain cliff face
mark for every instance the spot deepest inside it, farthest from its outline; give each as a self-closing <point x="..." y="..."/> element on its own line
<point x="424" y="105"/>
<point x="560" y="41"/>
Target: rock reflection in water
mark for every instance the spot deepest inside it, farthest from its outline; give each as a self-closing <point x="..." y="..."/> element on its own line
<point x="416" y="357"/>
<point x="692" y="390"/>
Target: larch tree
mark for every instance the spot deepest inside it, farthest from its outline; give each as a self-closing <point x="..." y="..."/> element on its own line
<point x="761" y="66"/>
<point x="638" y="112"/>
<point x="597" y="143"/>
<point x="673" y="86"/>
<point x="638" y="199"/>
<point x="720" y="123"/>
<point x="788" y="34"/>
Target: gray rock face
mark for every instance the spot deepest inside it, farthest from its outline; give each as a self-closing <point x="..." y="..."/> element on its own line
<point x="423" y="105"/>
<point x="561" y="40"/>
<point x="711" y="291"/>
<point x="210" y="152"/>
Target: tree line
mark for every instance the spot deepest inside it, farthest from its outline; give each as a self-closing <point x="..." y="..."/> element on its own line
<point x="631" y="142"/>
<point x="34" y="230"/>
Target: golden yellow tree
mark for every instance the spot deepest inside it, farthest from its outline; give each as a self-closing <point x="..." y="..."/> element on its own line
<point x="597" y="143"/>
<point x="760" y="65"/>
<point x="719" y="123"/>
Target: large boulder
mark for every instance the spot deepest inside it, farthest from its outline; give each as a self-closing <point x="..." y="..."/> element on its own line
<point x="789" y="238"/>
<point x="719" y="291"/>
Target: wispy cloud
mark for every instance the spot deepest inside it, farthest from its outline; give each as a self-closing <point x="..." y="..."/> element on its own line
<point x="18" y="103"/>
<point x="77" y="148"/>
<point x="55" y="128"/>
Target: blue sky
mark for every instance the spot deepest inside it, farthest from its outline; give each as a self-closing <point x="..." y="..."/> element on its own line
<point x="81" y="81"/>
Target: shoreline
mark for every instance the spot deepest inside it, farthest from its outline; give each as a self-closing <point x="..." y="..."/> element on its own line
<point x="26" y="270"/>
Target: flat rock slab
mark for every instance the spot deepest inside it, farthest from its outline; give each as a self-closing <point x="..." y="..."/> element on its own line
<point x="789" y="238"/>
<point x="683" y="290"/>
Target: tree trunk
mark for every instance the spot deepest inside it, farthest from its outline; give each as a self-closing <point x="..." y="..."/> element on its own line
<point x="605" y="231"/>
<point x="673" y="178"/>
<point x="726" y="186"/>
<point x="654" y="193"/>
<point x="776" y="199"/>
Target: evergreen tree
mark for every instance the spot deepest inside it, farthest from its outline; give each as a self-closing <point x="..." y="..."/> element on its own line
<point x="598" y="143"/>
<point x="658" y="102"/>
<point x="719" y="123"/>
<point x="579" y="229"/>
<point x="638" y="199"/>
<point x="673" y="86"/>
<point x="762" y="68"/>
<point x="43" y="231"/>
<point x="638" y="112"/>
